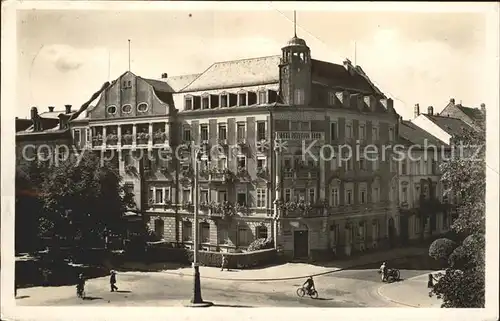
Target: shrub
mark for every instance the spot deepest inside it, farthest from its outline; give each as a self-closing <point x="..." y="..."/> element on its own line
<point x="441" y="249"/>
<point x="260" y="244"/>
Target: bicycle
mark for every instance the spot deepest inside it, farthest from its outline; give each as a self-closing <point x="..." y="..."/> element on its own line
<point x="312" y="293"/>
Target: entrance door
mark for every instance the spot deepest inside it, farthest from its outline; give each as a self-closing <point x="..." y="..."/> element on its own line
<point x="301" y="244"/>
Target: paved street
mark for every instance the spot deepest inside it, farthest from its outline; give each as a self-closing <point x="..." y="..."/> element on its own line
<point x="348" y="288"/>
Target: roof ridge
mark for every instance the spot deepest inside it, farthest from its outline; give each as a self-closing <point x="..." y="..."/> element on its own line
<point x="243" y="59"/>
<point x="196" y="78"/>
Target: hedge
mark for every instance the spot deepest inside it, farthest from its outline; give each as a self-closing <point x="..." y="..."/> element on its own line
<point x="214" y="259"/>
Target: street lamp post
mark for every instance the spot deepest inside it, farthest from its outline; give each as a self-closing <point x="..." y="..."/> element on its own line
<point x="197" y="300"/>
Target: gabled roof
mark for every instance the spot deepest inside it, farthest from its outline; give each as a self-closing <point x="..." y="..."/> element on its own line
<point x="237" y="73"/>
<point x="335" y="75"/>
<point x="473" y="113"/>
<point x="177" y="83"/>
<point x="160" y="86"/>
<point x="450" y="125"/>
<point x="414" y="135"/>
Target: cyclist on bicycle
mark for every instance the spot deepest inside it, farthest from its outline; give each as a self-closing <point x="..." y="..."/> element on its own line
<point x="309" y="284"/>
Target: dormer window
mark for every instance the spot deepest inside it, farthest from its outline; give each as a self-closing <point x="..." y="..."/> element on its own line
<point x="188" y="103"/>
<point x="242" y="99"/>
<point x="224" y="100"/>
<point x="262" y="97"/>
<point x="205" y="102"/>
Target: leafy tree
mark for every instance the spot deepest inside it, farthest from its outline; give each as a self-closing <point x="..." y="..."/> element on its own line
<point x="77" y="199"/>
<point x="464" y="173"/>
<point x="441" y="249"/>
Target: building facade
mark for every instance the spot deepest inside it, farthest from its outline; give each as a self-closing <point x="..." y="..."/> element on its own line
<point x="274" y="128"/>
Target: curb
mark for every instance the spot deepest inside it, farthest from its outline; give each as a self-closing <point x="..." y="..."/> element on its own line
<point x="287" y="278"/>
<point x="398" y="302"/>
<point x="204" y="304"/>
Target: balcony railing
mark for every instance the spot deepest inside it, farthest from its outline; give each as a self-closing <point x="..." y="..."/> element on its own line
<point x="300" y="135"/>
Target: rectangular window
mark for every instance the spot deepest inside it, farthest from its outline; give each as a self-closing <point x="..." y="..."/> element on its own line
<point x="405" y="194"/>
<point x="362" y="132"/>
<point x="333" y="131"/>
<point x="261" y="163"/>
<point x="205" y="102"/>
<point x="187" y="135"/>
<point x="331" y="98"/>
<point x="159" y="196"/>
<point x="425" y="168"/>
<point x="391" y="134"/>
<point x="221" y="196"/>
<point x="335" y="197"/>
<point x="187" y="231"/>
<point x="375" y="163"/>
<point x="204" y="132"/>
<point x="243" y="236"/>
<point x="305" y="126"/>
<point x="349" y="197"/>
<point x="261" y="131"/>
<point x="298" y="97"/>
<point x="222" y="131"/>
<point x="262" y="97"/>
<point x="77" y="139"/>
<point x="222" y="163"/>
<point x="403" y="167"/>
<point x="374" y="134"/>
<point x="205" y="233"/>
<point x="186" y="196"/>
<point x="87" y="135"/>
<point x="261" y="198"/>
<point x="348" y="131"/>
<point x="242" y="99"/>
<point x="242" y="199"/>
<point x="204" y="196"/>
<point x="241" y="131"/>
<point x="348" y="165"/>
<point x="223" y="100"/>
<point x="242" y="162"/>
<point x="288" y="195"/>
<point x="312" y="195"/>
<point x="362" y="196"/>
<point x="362" y="164"/>
<point x="188" y="103"/>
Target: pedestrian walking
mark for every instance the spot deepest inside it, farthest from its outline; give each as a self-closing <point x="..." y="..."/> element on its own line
<point x="112" y="281"/>
<point x="224" y="263"/>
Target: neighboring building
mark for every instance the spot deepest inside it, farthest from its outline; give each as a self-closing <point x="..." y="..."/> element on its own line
<point x="439" y="125"/>
<point x="468" y="115"/>
<point x="420" y="188"/>
<point x="251" y="105"/>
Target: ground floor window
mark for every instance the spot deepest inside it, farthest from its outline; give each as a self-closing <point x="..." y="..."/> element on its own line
<point x="159" y="227"/>
<point x="205" y="232"/>
<point x="334" y="235"/>
<point x="261" y="232"/>
<point x="244" y="237"/>
<point x="187" y="231"/>
<point x="223" y="233"/>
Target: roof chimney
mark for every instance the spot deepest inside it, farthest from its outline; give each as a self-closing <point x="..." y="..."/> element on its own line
<point x="68" y="108"/>
<point x="51" y="109"/>
<point x="430" y="110"/>
<point x="34" y="112"/>
<point x="483" y="108"/>
<point x="452" y="100"/>
<point x="348" y="66"/>
<point x="35" y="119"/>
<point x="416" y="110"/>
<point x="164" y="75"/>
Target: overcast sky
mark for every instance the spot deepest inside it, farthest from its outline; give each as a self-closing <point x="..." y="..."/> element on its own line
<point x="425" y="58"/>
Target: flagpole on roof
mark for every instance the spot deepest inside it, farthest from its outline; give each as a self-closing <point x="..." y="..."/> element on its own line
<point x="129" y="55"/>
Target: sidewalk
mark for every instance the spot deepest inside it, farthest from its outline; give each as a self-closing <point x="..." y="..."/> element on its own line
<point x="291" y="271"/>
<point x="412" y="292"/>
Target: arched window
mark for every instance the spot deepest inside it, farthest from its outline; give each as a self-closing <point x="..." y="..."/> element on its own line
<point x="159" y="227"/>
<point x="261" y="232"/>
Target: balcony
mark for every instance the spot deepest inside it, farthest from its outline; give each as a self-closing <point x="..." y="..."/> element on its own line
<point x="300" y="135"/>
